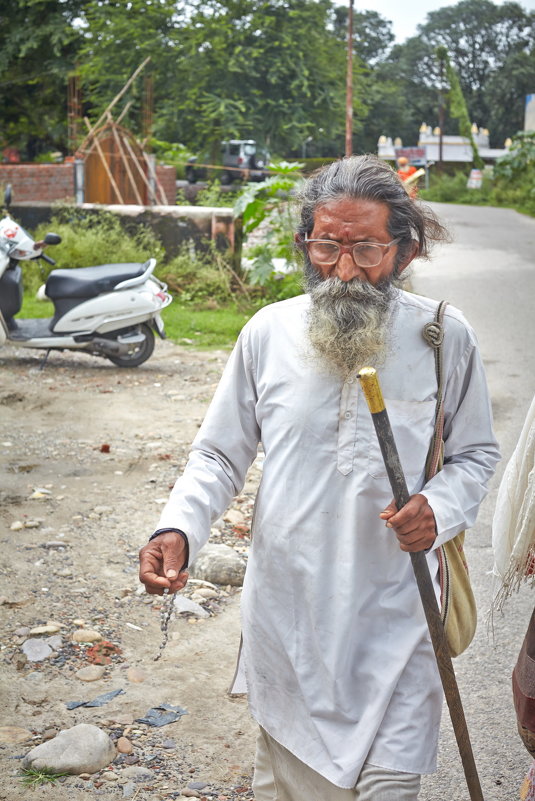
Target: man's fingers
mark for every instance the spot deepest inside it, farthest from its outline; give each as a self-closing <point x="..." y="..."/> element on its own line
<point x="389" y="512"/>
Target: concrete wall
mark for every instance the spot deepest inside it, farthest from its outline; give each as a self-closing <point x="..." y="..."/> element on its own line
<point x="173" y="225"/>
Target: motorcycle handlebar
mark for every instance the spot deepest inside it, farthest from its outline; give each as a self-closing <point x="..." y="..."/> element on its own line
<point x="47" y="259"/>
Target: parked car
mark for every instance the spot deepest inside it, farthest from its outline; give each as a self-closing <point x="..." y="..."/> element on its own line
<point x="243" y="158"/>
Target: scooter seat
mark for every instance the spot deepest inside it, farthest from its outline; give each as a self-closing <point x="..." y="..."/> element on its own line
<point x="88" y="282"/>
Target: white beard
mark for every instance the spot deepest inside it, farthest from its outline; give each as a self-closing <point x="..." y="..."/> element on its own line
<point x="347" y="323"/>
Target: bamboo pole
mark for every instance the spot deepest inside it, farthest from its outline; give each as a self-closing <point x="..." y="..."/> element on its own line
<point x="124" y="112"/>
<point x="116" y="99"/>
<point x="159" y="187"/>
<point x="106" y="166"/>
<point x="125" y="161"/>
<point x="136" y="162"/>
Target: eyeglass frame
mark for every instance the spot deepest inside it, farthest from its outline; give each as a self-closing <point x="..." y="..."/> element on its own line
<point x="349" y="249"/>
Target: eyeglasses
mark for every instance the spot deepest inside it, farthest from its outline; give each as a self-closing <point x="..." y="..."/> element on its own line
<point x="325" y="252"/>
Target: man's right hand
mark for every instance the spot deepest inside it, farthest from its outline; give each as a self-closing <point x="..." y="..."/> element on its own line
<point x="161" y="563"/>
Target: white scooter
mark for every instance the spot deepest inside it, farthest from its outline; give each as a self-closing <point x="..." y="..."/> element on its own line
<point x="110" y="310"/>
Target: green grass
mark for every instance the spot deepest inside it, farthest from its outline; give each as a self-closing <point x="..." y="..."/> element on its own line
<point x="204" y="328"/>
<point x="34" y="778"/>
<point x="184" y="324"/>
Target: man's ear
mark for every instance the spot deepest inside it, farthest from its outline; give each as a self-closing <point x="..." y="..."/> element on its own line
<point x="412" y="254"/>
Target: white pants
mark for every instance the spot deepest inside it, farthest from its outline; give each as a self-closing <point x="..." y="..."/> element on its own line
<point x="280" y="776"/>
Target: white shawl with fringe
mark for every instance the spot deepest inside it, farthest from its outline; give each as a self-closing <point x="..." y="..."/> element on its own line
<point x="513" y="526"/>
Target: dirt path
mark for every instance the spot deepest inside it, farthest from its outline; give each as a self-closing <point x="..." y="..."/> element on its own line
<point x="89" y="453"/>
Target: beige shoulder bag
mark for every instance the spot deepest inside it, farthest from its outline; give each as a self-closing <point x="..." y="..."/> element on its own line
<point x="457" y="602"/>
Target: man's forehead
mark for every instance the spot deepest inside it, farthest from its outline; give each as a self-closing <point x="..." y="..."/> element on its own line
<point x="352" y="211"/>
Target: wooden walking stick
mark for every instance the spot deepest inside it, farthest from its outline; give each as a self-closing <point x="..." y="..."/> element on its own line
<point x="374" y="398"/>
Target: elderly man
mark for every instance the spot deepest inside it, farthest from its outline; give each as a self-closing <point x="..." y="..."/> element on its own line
<point x="338" y="662"/>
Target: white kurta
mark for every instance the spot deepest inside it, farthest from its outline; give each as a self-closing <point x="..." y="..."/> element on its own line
<point x="337" y="656"/>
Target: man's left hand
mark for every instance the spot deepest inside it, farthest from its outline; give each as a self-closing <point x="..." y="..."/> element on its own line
<point x="414" y="525"/>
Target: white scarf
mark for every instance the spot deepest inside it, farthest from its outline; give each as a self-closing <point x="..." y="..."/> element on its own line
<point x="513" y="525"/>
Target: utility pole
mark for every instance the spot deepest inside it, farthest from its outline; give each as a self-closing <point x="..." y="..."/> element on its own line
<point x="349" y="82"/>
<point x="441" y="111"/>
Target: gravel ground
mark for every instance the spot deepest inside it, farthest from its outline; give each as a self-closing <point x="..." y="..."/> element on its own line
<point x="89" y="453"/>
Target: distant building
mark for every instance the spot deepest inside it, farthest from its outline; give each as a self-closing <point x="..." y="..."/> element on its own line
<point x="454" y="148"/>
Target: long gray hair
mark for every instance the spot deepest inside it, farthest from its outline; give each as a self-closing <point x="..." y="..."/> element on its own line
<point x="369" y="178"/>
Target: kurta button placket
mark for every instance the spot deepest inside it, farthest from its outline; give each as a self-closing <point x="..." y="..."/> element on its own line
<point x="347" y="426"/>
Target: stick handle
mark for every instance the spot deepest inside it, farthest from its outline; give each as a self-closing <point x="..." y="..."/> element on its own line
<point x="374" y="398"/>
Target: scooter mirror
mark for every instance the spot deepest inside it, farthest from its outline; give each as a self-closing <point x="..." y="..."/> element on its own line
<point x="8" y="196"/>
<point x="52" y="239"/>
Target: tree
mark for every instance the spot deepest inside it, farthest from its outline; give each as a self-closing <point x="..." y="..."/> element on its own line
<point x="39" y="42"/>
<point x="480" y="38"/>
<point x="457" y="105"/>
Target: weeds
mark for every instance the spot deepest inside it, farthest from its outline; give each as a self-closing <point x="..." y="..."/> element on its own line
<point x="32" y="777"/>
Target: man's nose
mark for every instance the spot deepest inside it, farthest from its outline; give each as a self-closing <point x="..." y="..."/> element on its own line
<point x="346" y="269"/>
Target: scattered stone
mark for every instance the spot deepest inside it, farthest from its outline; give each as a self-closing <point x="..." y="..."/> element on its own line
<point x="184" y="604"/>
<point x="135" y="675"/>
<point x="55" y="642"/>
<point x="48" y="734"/>
<point x="90" y="673"/>
<point x="14" y="734"/>
<point x="169" y="745"/>
<point x="63" y="572"/>
<point x="206" y="593"/>
<point x="15" y="601"/>
<point x="103" y="510"/>
<point x="23" y="631"/>
<point x="81" y="749"/>
<point x="32" y="524"/>
<point x="109" y="776"/>
<point x="86" y="635"/>
<point x="17" y="525"/>
<point x="56" y="545"/>
<point x="189" y="793"/>
<point x="33" y="694"/>
<point x="50" y="628"/>
<point x="124" y="746"/>
<point x="233" y="516"/>
<point x="137" y="772"/>
<point x="219" y="564"/>
<point x="129" y="789"/>
<point x="36" y="650"/>
<point x="39" y="495"/>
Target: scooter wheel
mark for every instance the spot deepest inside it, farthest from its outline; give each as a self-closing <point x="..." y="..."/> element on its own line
<point x="140" y="352"/>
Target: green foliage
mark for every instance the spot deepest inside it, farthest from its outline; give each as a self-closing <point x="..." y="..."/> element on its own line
<point x="172" y="153"/>
<point x="520" y="158"/>
<point x="39" y="42"/>
<point x="458" y="108"/>
<point x="273" y="71"/>
<point x="212" y="195"/>
<point x="266" y="207"/>
<point x="194" y="276"/>
<point x="33" y="778"/>
<point x="515" y="174"/>
<point x="89" y="238"/>
<point x="453" y="189"/>
<point x="511" y="183"/>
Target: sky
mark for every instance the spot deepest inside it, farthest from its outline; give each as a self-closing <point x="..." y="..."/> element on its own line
<point x="406" y="15"/>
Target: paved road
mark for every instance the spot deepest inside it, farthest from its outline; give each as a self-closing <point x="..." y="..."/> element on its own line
<point x="489" y="273"/>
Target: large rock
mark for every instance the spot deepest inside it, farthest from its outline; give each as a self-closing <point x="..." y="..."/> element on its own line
<point x="219" y="564"/>
<point x="82" y="749"/>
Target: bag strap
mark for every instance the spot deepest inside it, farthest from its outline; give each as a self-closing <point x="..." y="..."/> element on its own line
<point x="433" y="334"/>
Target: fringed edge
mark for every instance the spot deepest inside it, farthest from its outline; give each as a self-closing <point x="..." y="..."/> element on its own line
<point x="515" y="577"/>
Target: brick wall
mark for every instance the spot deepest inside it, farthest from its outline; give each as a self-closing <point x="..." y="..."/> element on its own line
<point x="50" y="182"/>
<point x="166" y="176"/>
<point x="38" y="182"/>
